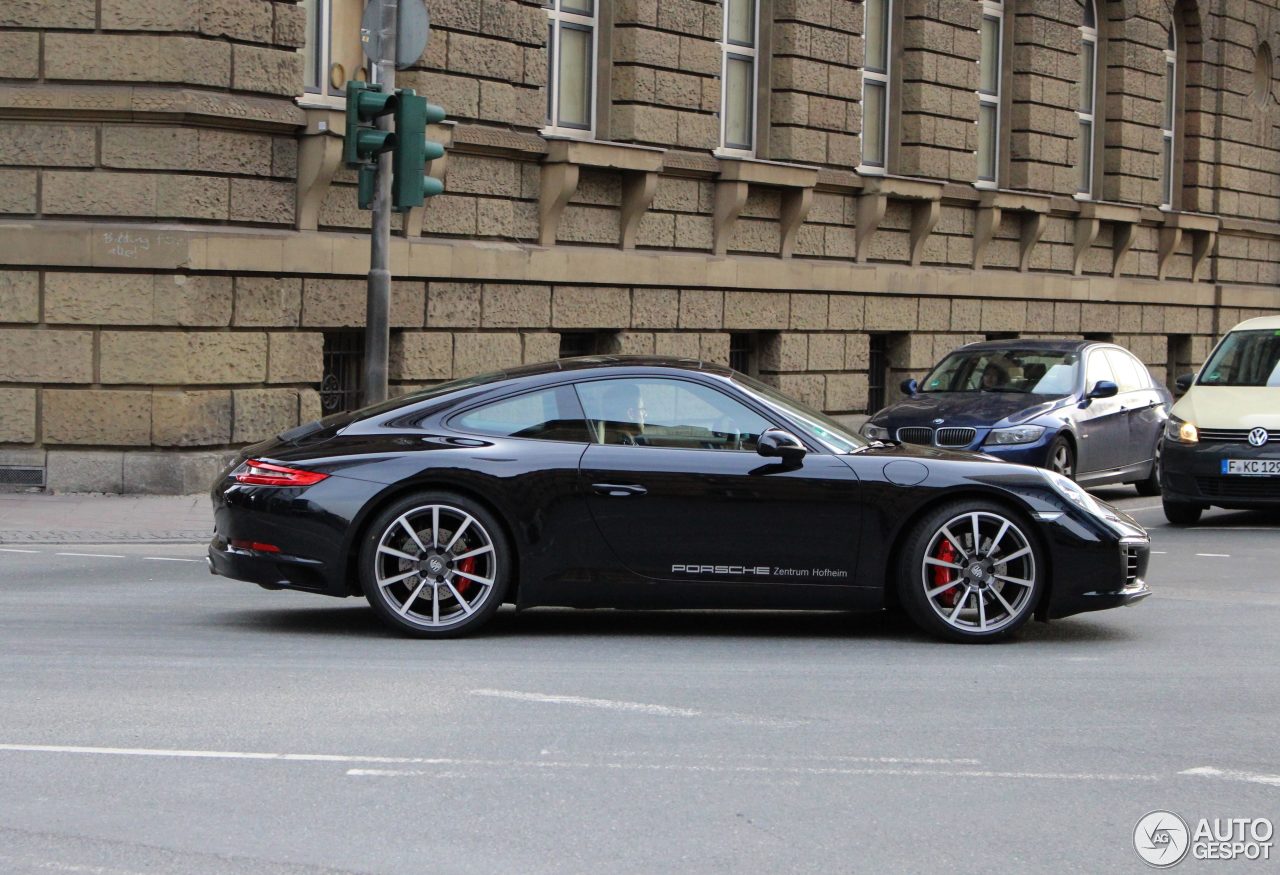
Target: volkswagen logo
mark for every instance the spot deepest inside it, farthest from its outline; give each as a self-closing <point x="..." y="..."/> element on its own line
<point x="1258" y="436"/>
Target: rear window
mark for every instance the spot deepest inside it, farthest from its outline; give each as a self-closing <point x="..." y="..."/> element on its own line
<point x="1245" y="358"/>
<point x="547" y="414"/>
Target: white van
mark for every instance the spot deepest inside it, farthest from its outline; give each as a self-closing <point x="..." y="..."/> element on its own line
<point x="1221" y="444"/>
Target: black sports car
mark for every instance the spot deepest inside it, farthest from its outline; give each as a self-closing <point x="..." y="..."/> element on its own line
<point x="657" y="483"/>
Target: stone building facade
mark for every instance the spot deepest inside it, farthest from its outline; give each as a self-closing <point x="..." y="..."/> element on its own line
<point x="828" y="193"/>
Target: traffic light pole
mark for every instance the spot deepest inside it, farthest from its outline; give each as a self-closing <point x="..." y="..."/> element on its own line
<point x="377" y="332"/>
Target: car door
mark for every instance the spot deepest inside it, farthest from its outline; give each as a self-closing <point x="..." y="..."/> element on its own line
<point x="1140" y="403"/>
<point x="678" y="491"/>
<point x="1101" y="422"/>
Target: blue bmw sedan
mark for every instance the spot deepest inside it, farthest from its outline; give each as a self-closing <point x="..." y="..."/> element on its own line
<point x="1088" y="410"/>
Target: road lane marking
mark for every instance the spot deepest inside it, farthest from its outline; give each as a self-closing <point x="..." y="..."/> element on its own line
<point x="16" y="550"/>
<point x="1215" y="555"/>
<point x="582" y="702"/>
<point x="93" y="555"/>
<point x="170" y="559"/>
<point x="1159" y="552"/>
<point x="1233" y="775"/>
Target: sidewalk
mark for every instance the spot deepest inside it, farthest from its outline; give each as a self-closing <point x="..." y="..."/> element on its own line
<point x="27" y="518"/>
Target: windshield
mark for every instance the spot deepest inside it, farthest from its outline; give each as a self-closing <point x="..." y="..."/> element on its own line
<point x="1029" y="371"/>
<point x="819" y="426"/>
<point x="1245" y="358"/>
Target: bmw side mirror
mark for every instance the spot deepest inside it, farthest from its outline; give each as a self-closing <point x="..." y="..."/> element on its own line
<point x="1183" y="383"/>
<point x="1103" y="389"/>
<point x="780" y="444"/>
<point x="910" y="387"/>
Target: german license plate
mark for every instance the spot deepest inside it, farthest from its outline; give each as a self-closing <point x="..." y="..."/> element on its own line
<point x="1251" y="467"/>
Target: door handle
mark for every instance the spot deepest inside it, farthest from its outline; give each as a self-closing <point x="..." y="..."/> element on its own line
<point x="618" y="490"/>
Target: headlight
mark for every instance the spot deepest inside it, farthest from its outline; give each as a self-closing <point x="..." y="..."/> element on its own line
<point x="875" y="432"/>
<point x="1181" y="431"/>
<point x="1017" y="434"/>
<point x="1070" y="490"/>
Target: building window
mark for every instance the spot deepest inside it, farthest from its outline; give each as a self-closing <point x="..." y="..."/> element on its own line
<point x="742" y="353"/>
<point x="571" y="55"/>
<point x="331" y="53"/>
<point x="738" y="77"/>
<point x="1001" y="335"/>
<point x="877" y="371"/>
<point x="1169" y="127"/>
<point x="1088" y="96"/>
<point x="577" y="343"/>
<point x="343" y="358"/>
<point x="315" y="52"/>
<point x="876" y="82"/>
<point x="989" y="93"/>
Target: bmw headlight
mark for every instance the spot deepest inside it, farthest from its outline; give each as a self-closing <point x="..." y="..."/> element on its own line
<point x="875" y="432"/>
<point x="1071" y="491"/>
<point x="1180" y="431"/>
<point x="1017" y="434"/>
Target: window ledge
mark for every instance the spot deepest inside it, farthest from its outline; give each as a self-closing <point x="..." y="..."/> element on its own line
<point x="639" y="165"/>
<point x="904" y="187"/>
<point x="604" y="154"/>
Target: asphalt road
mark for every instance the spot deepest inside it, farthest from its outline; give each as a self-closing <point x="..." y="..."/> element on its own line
<point x="156" y="719"/>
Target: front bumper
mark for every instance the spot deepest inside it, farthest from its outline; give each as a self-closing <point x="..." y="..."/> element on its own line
<point x="1035" y="453"/>
<point x="1094" y="565"/>
<point x="1192" y="474"/>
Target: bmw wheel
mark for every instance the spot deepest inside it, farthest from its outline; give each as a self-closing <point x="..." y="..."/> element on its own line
<point x="971" y="572"/>
<point x="1151" y="485"/>
<point x="435" y="565"/>
<point x="1061" y="458"/>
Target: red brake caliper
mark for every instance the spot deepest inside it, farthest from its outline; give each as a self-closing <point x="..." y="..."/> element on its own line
<point x="941" y="576"/>
<point x="468" y="566"/>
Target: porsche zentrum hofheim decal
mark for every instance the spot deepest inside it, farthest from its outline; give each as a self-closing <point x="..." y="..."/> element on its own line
<point x="758" y="571"/>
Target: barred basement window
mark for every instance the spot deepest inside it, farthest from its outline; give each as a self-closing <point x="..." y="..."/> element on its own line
<point x="989" y="93"/>
<point x="1088" y="96"/>
<point x="877" y="371"/>
<point x="579" y="343"/>
<point x="1002" y="335"/>
<point x="738" y="77"/>
<point x="571" y="55"/>
<point x="343" y="379"/>
<point x="876" y="82"/>
<point x="742" y="353"/>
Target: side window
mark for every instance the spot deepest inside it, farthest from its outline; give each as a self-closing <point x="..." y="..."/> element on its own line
<point x="1097" y="369"/>
<point x="668" y="413"/>
<point x="1126" y="368"/>
<point x="548" y="414"/>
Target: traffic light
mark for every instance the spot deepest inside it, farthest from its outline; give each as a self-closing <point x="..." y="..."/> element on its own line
<point x="363" y="142"/>
<point x="410" y="185"/>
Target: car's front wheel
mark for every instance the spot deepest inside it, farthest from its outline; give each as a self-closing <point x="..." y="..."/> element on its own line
<point x="1061" y="458"/>
<point x="435" y="565"/>
<point x="1182" y="513"/>
<point x="971" y="572"/>
<point x="1151" y="485"/>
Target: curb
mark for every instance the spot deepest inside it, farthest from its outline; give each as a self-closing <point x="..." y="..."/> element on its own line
<point x="101" y="536"/>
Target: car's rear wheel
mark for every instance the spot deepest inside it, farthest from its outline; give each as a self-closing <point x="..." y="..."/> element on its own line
<point x="1061" y="458"/>
<point x="971" y="572"/>
<point x="1182" y="513"/>
<point x="435" y="565"/>
<point x="1151" y="485"/>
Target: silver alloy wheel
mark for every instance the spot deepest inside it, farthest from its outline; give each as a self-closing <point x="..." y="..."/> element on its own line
<point x="1060" y="463"/>
<point x="989" y="578"/>
<point x="435" y="565"/>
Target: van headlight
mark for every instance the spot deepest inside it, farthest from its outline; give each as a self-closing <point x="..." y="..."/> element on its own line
<point x="1071" y="491"/>
<point x="1180" y="431"/>
<point x="875" y="432"/>
<point x="1017" y="434"/>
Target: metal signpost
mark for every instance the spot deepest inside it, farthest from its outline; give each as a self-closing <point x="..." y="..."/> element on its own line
<point x="377" y="336"/>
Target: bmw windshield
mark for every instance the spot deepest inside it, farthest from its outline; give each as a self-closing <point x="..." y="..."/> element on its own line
<point x="1025" y="371"/>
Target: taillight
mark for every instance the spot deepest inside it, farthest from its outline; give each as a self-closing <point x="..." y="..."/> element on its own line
<point x="256" y="472"/>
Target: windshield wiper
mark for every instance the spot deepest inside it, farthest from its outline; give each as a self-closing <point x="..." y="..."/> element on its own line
<point x="1005" y="389"/>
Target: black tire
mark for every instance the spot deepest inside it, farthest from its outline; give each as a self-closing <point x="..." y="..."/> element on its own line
<point x="444" y="579"/>
<point x="995" y="590"/>
<point x="1061" y="457"/>
<point x="1182" y="513"/>
<point x="1151" y="485"/>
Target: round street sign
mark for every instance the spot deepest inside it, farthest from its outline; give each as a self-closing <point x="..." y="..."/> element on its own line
<point x="412" y="30"/>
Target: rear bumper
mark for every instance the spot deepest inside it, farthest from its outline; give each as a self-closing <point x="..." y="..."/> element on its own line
<point x="1192" y="474"/>
<point x="268" y="570"/>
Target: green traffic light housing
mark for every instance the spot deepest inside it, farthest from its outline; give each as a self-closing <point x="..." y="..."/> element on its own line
<point x="363" y="142"/>
<point x="410" y="185"/>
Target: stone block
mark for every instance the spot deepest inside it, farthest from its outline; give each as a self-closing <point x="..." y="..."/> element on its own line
<point x="701" y="309"/>
<point x="884" y="313"/>
<point x="262" y="200"/>
<point x="17" y="191"/>
<point x="714" y="348"/>
<point x="809" y="389"/>
<point x="267" y="301"/>
<point x="150" y="147"/>
<point x="267" y="70"/>
<point x="453" y="305"/>
<point x="408" y="303"/>
<point x="845" y="312"/>
<point x="483" y="57"/>
<point x="191" y="299"/>
<point x="1099" y="317"/>
<point x="191" y="419"/>
<point x="295" y="357"/>
<point x="17" y="416"/>
<point x="151" y="58"/>
<point x="31" y="355"/>
<point x="756" y="310"/>
<point x="98" y="194"/>
<point x="590" y="307"/>
<point x="935" y="314"/>
<point x="249" y="20"/>
<point x="333" y="303"/>
<point x="222" y="357"/>
<point x="175" y="357"/>
<point x="146" y="473"/>
<point x="309" y="407"/>
<point x="628" y="343"/>
<point x="846" y="392"/>
<point x="41" y="13"/>
<point x="808" y="311"/>
<point x="259" y="414"/>
<point x="857" y="352"/>
<point x="676" y="344"/>
<point x="98" y="298"/>
<point x="421" y="355"/>
<point x="96" y="416"/>
<point x="655" y="308"/>
<point x="784" y="351"/>
<point x="541" y="347"/>
<point x="47" y="144"/>
<point x="19" y="296"/>
<point x="160" y="15"/>
<point x="1066" y="317"/>
<point x="197" y="197"/>
<point x="515" y="306"/>
<point x="481" y="353"/>
<point x="1004" y="315"/>
<point x="826" y="352"/>
<point x="84" y="471"/>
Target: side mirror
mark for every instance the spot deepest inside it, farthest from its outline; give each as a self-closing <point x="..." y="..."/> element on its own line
<point x="780" y="444"/>
<point x="910" y="387"/>
<point x="1183" y="383"/>
<point x="1103" y="389"/>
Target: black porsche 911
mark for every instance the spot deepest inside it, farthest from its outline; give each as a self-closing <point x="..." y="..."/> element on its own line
<point x="639" y="482"/>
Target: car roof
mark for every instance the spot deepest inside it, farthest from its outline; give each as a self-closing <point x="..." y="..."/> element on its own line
<point x="1028" y="343"/>
<point x="605" y="362"/>
<point x="1257" y="323"/>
